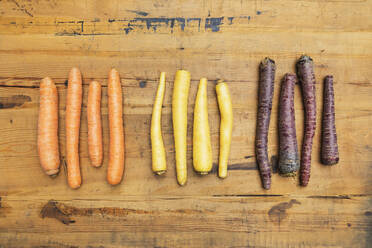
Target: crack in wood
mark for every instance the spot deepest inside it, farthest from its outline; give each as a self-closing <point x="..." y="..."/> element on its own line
<point x="22" y="8"/>
<point x="250" y="195"/>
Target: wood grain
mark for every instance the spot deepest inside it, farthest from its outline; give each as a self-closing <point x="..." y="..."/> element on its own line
<point x="213" y="39"/>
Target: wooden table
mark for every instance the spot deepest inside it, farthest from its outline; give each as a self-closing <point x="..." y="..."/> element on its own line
<point x="214" y="39"/>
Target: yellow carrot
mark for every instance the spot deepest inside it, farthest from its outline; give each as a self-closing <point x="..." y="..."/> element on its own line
<point x="225" y="106"/>
<point x="179" y="116"/>
<point x="202" y="148"/>
<point x="159" y="165"/>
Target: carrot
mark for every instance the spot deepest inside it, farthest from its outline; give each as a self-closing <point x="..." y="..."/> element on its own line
<point x="73" y="112"/>
<point x="47" y="139"/>
<point x="329" y="137"/>
<point x="115" y="168"/>
<point x="202" y="148"/>
<point x="94" y="124"/>
<point x="179" y="116"/>
<point x="159" y="164"/>
<point x="226" y="125"/>
<point x="306" y="76"/>
<point x="289" y="161"/>
<point x="265" y="96"/>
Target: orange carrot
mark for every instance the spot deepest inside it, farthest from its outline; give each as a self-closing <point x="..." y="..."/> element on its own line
<point x="94" y="124"/>
<point x="116" y="149"/>
<point x="47" y="139"/>
<point x="73" y="112"/>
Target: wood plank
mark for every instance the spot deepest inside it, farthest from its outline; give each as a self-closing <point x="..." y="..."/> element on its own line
<point x="95" y="17"/>
<point x="211" y="38"/>
<point x="264" y="223"/>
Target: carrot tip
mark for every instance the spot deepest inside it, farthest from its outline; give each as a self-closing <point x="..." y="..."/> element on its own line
<point x="202" y="173"/>
<point x="267" y="61"/>
<point x="290" y="174"/>
<point x="52" y="173"/>
<point x="305" y="59"/>
<point x="304" y="182"/>
<point x="266" y="186"/>
<point x="222" y="176"/>
<point x="74" y="186"/>
<point x="159" y="173"/>
<point x="182" y="183"/>
<point x="330" y="161"/>
<point x="114" y="181"/>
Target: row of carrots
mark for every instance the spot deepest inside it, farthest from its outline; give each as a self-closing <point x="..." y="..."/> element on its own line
<point x="202" y="148"/>
<point x="289" y="162"/>
<point x="289" y="159"/>
<point x="48" y="147"/>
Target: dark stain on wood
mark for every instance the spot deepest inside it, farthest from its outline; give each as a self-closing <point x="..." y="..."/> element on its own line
<point x="63" y="212"/>
<point x="194" y="19"/>
<point x="213" y="23"/>
<point x="243" y="166"/>
<point x="150" y="24"/>
<point x="237" y="166"/>
<point x="279" y="212"/>
<point x="368" y="213"/>
<point x="142" y="84"/>
<point x="52" y="210"/>
<point x="66" y="83"/>
<point x="13" y="101"/>
<point x="249" y="165"/>
<point x="155" y="22"/>
<point x="141" y="13"/>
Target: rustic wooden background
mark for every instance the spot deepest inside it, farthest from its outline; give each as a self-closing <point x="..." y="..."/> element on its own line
<point x="217" y="39"/>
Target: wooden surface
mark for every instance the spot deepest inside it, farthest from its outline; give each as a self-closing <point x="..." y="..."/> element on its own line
<point x="216" y="39"/>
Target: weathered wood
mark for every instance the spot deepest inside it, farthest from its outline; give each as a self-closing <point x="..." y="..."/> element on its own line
<point x="214" y="39"/>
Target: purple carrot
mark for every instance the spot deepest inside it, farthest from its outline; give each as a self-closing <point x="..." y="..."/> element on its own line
<point x="288" y="152"/>
<point x="265" y="96"/>
<point x="306" y="76"/>
<point x="329" y="137"/>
